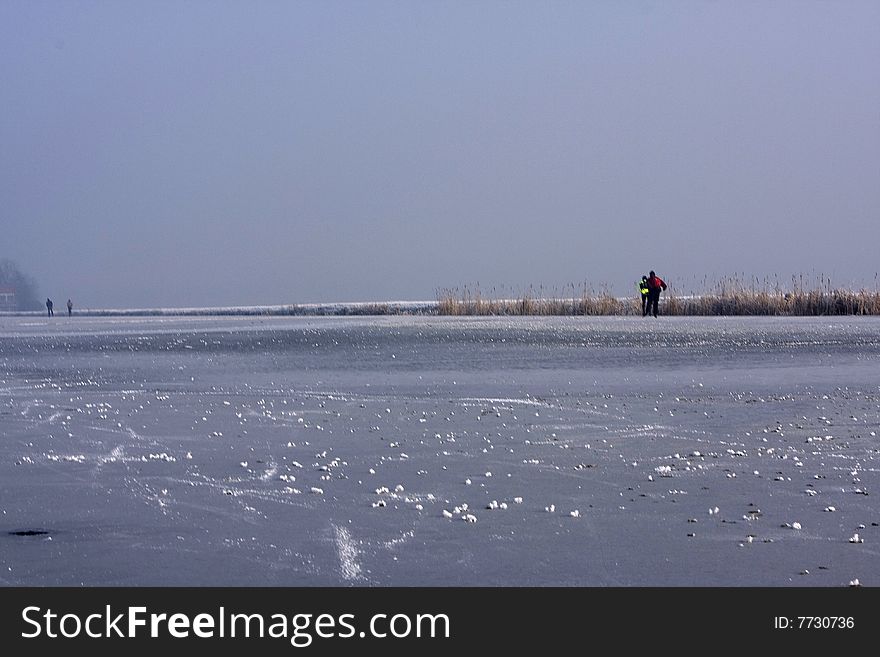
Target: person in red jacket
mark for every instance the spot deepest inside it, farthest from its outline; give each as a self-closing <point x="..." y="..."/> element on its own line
<point x="655" y="285"/>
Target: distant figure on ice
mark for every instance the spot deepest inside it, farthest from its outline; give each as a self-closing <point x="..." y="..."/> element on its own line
<point x="655" y="285"/>
<point x="49" y="307"/>
<point x="643" y="292"/>
<point x="69" y="308"/>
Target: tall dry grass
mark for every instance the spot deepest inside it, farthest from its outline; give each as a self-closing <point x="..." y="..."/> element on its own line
<point x="733" y="295"/>
<point x="571" y="301"/>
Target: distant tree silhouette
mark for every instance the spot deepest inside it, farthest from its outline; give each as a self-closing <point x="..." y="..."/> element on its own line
<point x="25" y="287"/>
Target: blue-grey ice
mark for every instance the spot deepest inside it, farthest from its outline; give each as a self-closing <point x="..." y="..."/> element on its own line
<point x="375" y="451"/>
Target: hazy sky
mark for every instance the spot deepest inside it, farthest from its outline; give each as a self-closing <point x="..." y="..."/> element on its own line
<point x="206" y="153"/>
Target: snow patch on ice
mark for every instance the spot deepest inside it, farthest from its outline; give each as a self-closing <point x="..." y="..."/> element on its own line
<point x="348" y="554"/>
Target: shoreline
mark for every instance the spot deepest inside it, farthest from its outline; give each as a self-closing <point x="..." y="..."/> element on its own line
<point x="813" y="303"/>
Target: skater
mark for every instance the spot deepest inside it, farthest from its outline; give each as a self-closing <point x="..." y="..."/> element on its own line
<point x="655" y="285"/>
<point x="69" y="308"/>
<point x="49" y="307"/>
<point x="643" y="292"/>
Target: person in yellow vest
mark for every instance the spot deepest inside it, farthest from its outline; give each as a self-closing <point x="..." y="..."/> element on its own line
<point x="643" y="291"/>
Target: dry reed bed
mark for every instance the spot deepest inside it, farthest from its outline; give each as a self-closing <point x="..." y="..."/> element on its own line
<point x="725" y="300"/>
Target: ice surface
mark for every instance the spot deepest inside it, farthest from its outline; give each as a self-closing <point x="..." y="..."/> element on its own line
<point x="426" y="451"/>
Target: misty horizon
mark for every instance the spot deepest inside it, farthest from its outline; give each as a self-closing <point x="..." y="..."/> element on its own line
<point x="219" y="154"/>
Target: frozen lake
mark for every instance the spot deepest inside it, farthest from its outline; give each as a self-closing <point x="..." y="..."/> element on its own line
<point x="367" y="451"/>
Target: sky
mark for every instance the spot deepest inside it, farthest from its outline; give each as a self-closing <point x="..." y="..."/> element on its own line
<point x="233" y="153"/>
